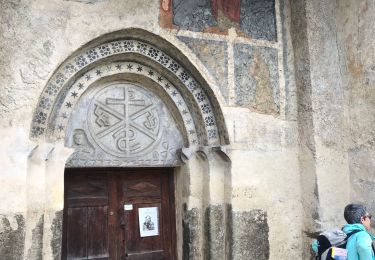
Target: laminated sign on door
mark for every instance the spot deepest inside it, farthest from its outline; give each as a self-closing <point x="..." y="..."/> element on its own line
<point x="148" y="221"/>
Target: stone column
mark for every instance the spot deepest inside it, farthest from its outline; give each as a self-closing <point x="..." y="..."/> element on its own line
<point x="217" y="214"/>
<point x="45" y="201"/>
<point x="196" y="201"/>
<point x="35" y="200"/>
<point x="54" y="201"/>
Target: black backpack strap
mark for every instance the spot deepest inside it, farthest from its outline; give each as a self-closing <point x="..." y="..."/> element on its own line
<point x="356" y="231"/>
<point x="345" y="241"/>
<point x="351" y="233"/>
<point x="324" y="244"/>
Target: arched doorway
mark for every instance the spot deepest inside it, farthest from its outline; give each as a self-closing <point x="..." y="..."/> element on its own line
<point x="124" y="103"/>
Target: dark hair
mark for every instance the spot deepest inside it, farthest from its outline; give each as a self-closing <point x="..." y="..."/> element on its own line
<point x="354" y="212"/>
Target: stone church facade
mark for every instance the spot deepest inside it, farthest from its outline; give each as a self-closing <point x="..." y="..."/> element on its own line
<point x="171" y="129"/>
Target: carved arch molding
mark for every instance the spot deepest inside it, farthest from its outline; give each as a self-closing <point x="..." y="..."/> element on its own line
<point x="124" y="101"/>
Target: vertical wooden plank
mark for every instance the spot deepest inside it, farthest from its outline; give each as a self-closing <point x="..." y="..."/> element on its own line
<point x="131" y="230"/>
<point x="113" y="221"/>
<point x="172" y="209"/>
<point x="97" y="232"/>
<point x="77" y="233"/>
<point x="165" y="206"/>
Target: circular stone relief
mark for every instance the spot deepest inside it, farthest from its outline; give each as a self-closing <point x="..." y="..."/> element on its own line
<point x="124" y="120"/>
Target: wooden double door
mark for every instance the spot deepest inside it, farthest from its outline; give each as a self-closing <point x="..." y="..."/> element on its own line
<point x="119" y="214"/>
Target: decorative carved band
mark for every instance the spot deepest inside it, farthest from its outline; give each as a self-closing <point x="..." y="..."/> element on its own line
<point x="60" y="85"/>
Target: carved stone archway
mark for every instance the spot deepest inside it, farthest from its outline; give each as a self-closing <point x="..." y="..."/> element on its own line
<point x="85" y="106"/>
<point x="133" y="56"/>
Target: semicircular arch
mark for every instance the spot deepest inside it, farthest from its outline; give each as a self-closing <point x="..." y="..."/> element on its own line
<point x="132" y="53"/>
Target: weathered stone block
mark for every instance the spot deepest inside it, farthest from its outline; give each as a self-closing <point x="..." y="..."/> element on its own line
<point x="213" y="54"/>
<point x="12" y="237"/>
<point x="257" y="80"/>
<point x="191" y="234"/>
<point x="250" y="235"/>
<point x="215" y="232"/>
<point x="193" y="15"/>
<point x="258" y="19"/>
<point x="36" y="249"/>
<point x="56" y="241"/>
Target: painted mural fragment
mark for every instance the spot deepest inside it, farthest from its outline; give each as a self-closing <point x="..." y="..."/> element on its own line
<point x="251" y="18"/>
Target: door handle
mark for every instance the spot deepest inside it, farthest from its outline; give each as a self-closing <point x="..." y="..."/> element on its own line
<point x="122" y="222"/>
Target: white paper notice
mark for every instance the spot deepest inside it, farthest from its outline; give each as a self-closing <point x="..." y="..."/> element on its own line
<point x="128" y="207"/>
<point x="148" y="221"/>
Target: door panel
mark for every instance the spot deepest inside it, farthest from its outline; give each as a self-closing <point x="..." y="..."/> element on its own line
<point x="97" y="219"/>
<point x="97" y="226"/>
<point x="143" y="192"/>
<point x="86" y="215"/>
<point x="135" y="245"/>
<point x="76" y="233"/>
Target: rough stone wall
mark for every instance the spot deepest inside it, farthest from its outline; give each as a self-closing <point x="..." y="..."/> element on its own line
<point x="328" y="110"/>
<point x="12" y="236"/>
<point x="356" y="46"/>
<point x="333" y="45"/>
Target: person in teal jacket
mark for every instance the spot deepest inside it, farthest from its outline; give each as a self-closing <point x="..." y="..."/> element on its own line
<point x="359" y="245"/>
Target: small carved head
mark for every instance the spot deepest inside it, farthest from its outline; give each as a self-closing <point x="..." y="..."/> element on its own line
<point x="79" y="137"/>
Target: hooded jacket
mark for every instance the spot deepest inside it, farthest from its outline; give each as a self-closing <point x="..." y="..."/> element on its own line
<point x="359" y="245"/>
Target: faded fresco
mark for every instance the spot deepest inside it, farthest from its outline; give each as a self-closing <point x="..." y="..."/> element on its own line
<point x="251" y="18"/>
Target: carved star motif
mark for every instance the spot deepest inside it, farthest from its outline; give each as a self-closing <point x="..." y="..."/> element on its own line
<point x="88" y="77"/>
<point x="167" y="86"/>
<point x="150" y="72"/>
<point x="160" y="79"/>
<point x="80" y="86"/>
<point x="174" y="93"/>
<point x="98" y="72"/>
<point x="139" y="68"/>
<point x="74" y="94"/>
<point x="118" y="66"/>
<point x="130" y="67"/>
<point x="68" y="104"/>
<point x="65" y="115"/>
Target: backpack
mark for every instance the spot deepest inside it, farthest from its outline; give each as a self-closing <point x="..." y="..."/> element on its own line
<point x="332" y="244"/>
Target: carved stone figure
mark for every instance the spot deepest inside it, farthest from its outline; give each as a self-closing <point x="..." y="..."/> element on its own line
<point x="81" y="144"/>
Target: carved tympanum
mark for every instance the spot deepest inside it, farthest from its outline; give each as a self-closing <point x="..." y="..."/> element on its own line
<point x="124" y="121"/>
